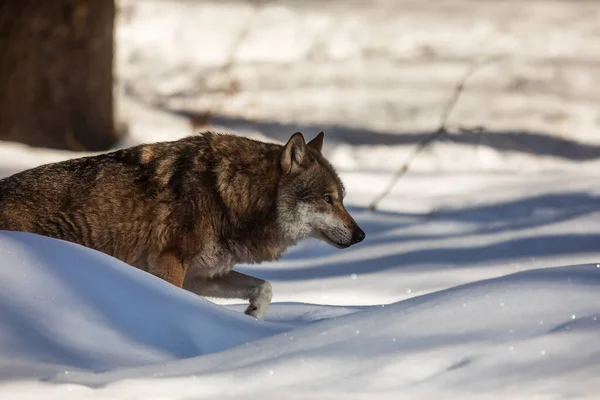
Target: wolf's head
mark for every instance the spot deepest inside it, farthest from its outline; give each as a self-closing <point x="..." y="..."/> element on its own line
<point x="311" y="195"/>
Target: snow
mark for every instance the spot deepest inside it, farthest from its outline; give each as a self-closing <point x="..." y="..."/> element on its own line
<point x="78" y="323"/>
<point x="66" y="307"/>
<point x="480" y="274"/>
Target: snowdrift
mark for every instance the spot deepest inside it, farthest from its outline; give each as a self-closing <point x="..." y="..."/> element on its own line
<point x="94" y="326"/>
<point x="65" y="307"/>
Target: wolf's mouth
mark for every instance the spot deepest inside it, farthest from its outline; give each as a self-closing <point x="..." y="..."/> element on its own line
<point x="333" y="242"/>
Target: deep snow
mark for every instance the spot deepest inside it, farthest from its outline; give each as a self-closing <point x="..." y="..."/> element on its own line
<point x="66" y="307"/>
<point x="78" y="323"/>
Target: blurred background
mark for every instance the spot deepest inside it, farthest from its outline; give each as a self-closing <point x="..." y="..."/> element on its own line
<point x="397" y="85"/>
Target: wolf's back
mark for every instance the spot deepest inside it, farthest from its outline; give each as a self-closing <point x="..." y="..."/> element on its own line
<point x="29" y="200"/>
<point x="75" y="200"/>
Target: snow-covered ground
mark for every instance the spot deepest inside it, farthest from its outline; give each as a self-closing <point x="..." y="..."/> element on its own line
<point x="480" y="274"/>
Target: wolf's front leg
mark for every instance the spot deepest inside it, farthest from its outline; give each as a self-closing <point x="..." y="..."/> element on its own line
<point x="235" y="285"/>
<point x="167" y="266"/>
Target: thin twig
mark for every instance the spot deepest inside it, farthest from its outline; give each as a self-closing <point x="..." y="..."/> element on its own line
<point x="441" y="130"/>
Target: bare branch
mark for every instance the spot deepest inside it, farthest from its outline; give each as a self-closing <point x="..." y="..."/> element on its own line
<point x="441" y="130"/>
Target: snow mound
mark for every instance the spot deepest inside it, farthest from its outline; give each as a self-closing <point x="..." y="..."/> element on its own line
<point x="65" y="307"/>
<point x="91" y="325"/>
<point x="529" y="333"/>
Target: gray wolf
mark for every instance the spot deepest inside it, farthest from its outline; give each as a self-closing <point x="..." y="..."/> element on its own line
<point x="187" y="211"/>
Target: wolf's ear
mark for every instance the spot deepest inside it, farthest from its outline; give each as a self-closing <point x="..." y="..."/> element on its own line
<point x="317" y="142"/>
<point x="293" y="153"/>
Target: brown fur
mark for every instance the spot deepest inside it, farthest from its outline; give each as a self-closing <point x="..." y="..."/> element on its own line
<point x="185" y="210"/>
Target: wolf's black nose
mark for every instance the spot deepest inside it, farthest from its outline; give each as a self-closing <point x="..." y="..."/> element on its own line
<point x="358" y="235"/>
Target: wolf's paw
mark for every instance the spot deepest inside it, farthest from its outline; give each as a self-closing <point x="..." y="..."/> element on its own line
<point x="256" y="311"/>
<point x="260" y="301"/>
<point x="252" y="310"/>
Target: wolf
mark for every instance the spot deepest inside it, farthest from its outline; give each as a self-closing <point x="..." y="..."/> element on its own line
<point x="188" y="211"/>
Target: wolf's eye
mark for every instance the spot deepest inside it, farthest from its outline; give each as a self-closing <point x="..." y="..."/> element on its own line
<point x="328" y="199"/>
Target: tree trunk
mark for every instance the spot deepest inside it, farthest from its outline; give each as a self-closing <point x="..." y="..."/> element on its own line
<point x="56" y="77"/>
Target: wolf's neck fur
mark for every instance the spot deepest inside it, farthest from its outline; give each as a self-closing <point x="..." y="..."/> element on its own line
<point x="247" y="178"/>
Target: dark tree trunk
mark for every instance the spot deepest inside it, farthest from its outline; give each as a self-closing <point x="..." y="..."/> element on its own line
<point x="56" y="78"/>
